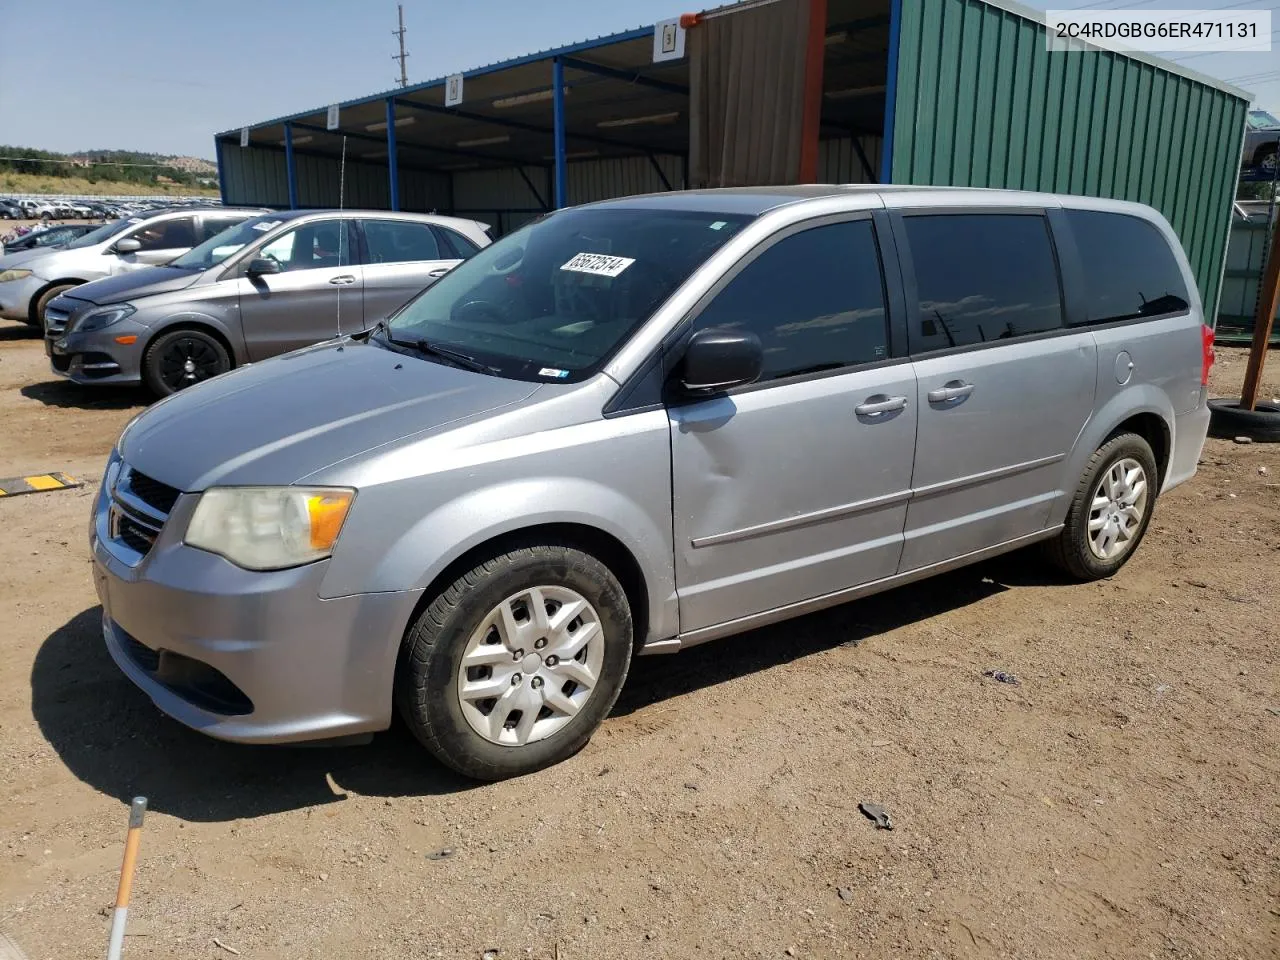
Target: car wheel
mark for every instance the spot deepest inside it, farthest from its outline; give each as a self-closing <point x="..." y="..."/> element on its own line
<point x="37" y="317"/>
<point x="1110" y="510"/>
<point x="180" y="358"/>
<point x="1266" y="159"/>
<point x="512" y="666"/>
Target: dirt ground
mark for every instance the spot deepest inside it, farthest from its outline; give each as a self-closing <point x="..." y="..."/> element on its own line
<point x="1123" y="801"/>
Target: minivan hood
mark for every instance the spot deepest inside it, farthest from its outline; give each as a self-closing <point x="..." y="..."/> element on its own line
<point x="280" y="420"/>
<point x="139" y="283"/>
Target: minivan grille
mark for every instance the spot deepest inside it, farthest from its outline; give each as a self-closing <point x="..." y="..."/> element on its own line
<point x="153" y="493"/>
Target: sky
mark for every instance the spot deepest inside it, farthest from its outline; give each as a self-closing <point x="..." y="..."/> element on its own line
<point x="163" y="76"/>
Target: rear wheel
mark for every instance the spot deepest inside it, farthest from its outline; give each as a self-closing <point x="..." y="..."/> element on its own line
<point x="181" y="358"/>
<point x="1110" y="511"/>
<point x="511" y="667"/>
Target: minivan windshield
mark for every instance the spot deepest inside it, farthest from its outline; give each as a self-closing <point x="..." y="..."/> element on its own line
<point x="222" y="245"/>
<point x="1261" y="120"/>
<point x="554" y="300"/>
<point x="104" y="232"/>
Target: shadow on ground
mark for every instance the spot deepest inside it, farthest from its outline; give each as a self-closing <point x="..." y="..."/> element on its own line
<point x="111" y="737"/>
<point x="18" y="331"/>
<point x="64" y="393"/>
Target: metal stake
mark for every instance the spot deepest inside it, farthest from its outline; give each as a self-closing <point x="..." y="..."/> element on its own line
<point x="136" y="811"/>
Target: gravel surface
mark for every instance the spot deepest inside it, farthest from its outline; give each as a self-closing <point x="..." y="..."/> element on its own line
<point x="1120" y="801"/>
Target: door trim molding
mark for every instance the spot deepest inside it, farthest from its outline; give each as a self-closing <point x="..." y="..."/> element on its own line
<point x="973" y="479"/>
<point x="802" y="520"/>
<point x="812" y="605"/>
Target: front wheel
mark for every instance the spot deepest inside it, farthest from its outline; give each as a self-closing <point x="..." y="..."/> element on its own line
<point x="511" y="668"/>
<point x="1110" y="510"/>
<point x="182" y="358"/>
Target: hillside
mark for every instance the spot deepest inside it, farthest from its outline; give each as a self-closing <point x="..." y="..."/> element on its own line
<point x="38" y="185"/>
<point x="132" y="171"/>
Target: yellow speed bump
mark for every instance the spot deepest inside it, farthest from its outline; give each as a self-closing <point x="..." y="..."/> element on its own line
<point x="16" y="486"/>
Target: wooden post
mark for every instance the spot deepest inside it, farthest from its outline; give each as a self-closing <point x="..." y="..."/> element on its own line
<point x="1268" y="300"/>
<point x="811" y="119"/>
<point x="136" y="811"/>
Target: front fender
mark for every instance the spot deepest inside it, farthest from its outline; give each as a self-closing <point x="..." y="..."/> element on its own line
<point x="227" y="328"/>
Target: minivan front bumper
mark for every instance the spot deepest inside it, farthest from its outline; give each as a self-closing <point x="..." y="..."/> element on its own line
<point x="241" y="655"/>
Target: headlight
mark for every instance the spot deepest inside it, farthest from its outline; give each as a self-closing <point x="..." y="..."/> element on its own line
<point x="8" y="275"/>
<point x="269" y="528"/>
<point x="102" y="318"/>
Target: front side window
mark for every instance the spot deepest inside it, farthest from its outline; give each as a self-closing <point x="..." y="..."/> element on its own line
<point x="981" y="278"/>
<point x="314" y="245"/>
<point x="399" y="241"/>
<point x="815" y="299"/>
<point x="554" y="300"/>
<point x="167" y="234"/>
<point x="1129" y="270"/>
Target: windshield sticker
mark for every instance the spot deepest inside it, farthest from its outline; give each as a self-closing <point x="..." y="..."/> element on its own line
<point x="266" y="225"/>
<point x="719" y="224"/>
<point x="552" y="371"/>
<point x="598" y="264"/>
<point x="135" y="219"/>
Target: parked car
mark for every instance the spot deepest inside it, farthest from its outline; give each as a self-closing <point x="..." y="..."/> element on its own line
<point x="266" y="286"/>
<point x="1261" y="140"/>
<point x="637" y="426"/>
<point x="50" y="237"/>
<point x="111" y="249"/>
<point x="37" y="209"/>
<point x="9" y="210"/>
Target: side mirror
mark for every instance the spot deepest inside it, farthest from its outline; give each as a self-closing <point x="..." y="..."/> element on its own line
<point x="717" y="359"/>
<point x="128" y="245"/>
<point x="261" y="266"/>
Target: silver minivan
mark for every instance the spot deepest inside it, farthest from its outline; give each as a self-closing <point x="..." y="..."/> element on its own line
<point x="267" y="285"/>
<point x="28" y="283"/>
<point x="639" y="425"/>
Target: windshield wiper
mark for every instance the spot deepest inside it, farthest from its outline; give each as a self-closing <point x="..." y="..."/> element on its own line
<point x="423" y="345"/>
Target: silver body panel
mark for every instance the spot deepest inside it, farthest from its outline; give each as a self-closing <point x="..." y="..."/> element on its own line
<point x="769" y="501"/>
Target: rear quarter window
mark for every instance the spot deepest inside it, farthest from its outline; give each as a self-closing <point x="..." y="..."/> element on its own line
<point x="1129" y="270"/>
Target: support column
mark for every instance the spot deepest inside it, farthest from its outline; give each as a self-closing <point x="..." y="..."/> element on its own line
<point x="222" y="170"/>
<point x="290" y="173"/>
<point x="891" y="91"/>
<point x="815" y="53"/>
<point x="393" y="167"/>
<point x="557" y="101"/>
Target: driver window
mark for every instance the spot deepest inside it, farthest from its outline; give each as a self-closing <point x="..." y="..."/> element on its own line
<point x="173" y="234"/>
<point x="324" y="243"/>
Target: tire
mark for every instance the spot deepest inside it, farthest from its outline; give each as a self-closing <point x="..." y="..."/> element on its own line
<point x="37" y="316"/>
<point x="1074" y="550"/>
<point x="465" y="618"/>
<point x="1227" y="420"/>
<point x="1265" y="159"/>
<point x="180" y="358"/>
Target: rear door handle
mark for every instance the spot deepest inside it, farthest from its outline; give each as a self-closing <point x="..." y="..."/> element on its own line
<point x="951" y="392"/>
<point x="879" y="404"/>
<point x="438" y="272"/>
<point x="343" y="280"/>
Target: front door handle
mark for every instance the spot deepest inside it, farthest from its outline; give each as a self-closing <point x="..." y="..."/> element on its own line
<point x="951" y="392"/>
<point x="343" y="280"/>
<point x="880" y="404"/>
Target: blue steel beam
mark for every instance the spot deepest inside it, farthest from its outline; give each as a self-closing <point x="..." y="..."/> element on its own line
<point x="469" y="154"/>
<point x="628" y="76"/>
<point x="891" y="91"/>
<point x="393" y="172"/>
<point x="291" y="174"/>
<point x="557" y="109"/>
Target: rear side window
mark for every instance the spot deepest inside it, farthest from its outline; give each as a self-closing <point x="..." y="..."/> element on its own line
<point x="215" y="225"/>
<point x="1129" y="270"/>
<point x="815" y="299"/>
<point x="398" y="241"/>
<point x="455" y="244"/>
<point x="980" y="278"/>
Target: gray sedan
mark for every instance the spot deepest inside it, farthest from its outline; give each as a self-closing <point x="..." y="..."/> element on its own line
<point x="266" y="286"/>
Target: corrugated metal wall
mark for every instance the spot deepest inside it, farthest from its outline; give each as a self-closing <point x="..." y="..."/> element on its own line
<point x="838" y="161"/>
<point x="1246" y="256"/>
<point x="255" y="176"/>
<point x="981" y="102"/>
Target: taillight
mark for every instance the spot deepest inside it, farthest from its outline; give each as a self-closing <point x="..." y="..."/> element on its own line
<point x="1206" y="354"/>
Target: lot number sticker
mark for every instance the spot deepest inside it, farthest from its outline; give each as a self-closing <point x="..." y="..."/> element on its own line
<point x="598" y="264"/>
